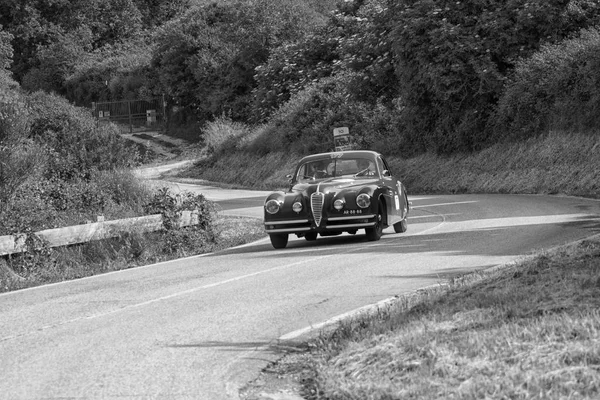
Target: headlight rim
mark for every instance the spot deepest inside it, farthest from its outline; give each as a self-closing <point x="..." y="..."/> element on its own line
<point x="297" y="207"/>
<point x="363" y="200"/>
<point x="339" y="204"/>
<point x="273" y="206"/>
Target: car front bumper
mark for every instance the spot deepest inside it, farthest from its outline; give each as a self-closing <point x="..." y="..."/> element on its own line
<point x="333" y="223"/>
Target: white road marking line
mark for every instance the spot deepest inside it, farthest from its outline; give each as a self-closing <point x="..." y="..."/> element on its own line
<point x="446" y="204"/>
<point x="182" y="293"/>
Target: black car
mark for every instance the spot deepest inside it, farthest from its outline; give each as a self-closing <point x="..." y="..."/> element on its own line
<point x="337" y="192"/>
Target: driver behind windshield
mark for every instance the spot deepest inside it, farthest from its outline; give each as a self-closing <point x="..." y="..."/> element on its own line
<point x="365" y="167"/>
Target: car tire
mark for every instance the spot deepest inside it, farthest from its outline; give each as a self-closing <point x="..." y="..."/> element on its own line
<point x="279" y="241"/>
<point x="375" y="233"/>
<point x="401" y="226"/>
<point x="310" y="236"/>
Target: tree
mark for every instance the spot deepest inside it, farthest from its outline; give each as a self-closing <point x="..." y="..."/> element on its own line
<point x="557" y="88"/>
<point x="42" y="29"/>
<point x="55" y="62"/>
<point x="206" y="58"/>
<point x="352" y="43"/>
<point x="452" y="59"/>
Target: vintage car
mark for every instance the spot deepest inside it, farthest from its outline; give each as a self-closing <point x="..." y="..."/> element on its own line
<point x="337" y="192"/>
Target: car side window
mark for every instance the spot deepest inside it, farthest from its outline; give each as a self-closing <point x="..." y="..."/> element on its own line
<point x="383" y="166"/>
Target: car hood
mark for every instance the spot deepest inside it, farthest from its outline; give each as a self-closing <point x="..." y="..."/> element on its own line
<point x="334" y="185"/>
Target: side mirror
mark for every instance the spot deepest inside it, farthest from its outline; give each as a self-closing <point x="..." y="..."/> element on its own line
<point x="387" y="173"/>
<point x="289" y="177"/>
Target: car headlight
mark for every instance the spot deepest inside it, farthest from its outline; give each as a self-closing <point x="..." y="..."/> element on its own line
<point x="339" y="204"/>
<point x="272" y="206"/>
<point x="363" y="200"/>
<point x="297" y="206"/>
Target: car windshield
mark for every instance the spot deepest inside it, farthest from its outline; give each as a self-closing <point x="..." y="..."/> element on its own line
<point x="316" y="170"/>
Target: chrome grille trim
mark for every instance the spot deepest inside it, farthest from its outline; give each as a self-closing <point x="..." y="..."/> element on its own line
<point x="316" y="204"/>
<point x="346" y="226"/>
<point x="297" y="221"/>
<point x="287" y="230"/>
<point x="351" y="217"/>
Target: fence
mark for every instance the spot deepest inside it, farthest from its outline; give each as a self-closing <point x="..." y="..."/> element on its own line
<point x="132" y="115"/>
<point x="12" y="244"/>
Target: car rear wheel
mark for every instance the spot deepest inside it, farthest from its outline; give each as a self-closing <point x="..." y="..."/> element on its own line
<point x="376" y="232"/>
<point x="310" y="236"/>
<point x="279" y="241"/>
<point x="401" y="226"/>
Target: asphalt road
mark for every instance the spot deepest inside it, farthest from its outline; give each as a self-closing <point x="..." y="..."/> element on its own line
<point x="201" y="327"/>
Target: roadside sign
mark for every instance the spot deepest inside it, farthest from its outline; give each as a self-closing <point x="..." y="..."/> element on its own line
<point x="341" y="139"/>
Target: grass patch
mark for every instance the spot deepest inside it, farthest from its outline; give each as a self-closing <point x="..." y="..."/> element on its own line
<point x="528" y="330"/>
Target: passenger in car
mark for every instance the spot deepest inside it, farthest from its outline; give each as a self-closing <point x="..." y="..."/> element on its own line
<point x="317" y="171"/>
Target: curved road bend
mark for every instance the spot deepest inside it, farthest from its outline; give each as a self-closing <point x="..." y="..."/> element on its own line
<point x="202" y="327"/>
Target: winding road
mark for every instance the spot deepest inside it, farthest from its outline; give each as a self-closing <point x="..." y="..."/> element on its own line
<point x="202" y="327"/>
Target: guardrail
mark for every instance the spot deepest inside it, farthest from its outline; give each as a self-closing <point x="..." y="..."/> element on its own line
<point x="101" y="229"/>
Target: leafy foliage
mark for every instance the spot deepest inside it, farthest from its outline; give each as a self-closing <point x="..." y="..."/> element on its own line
<point x="350" y="43"/>
<point x="56" y="166"/>
<point x="74" y="144"/>
<point x="205" y="59"/>
<point x="170" y="205"/>
<point x="452" y="59"/>
<point x="6" y="50"/>
<point x="557" y="88"/>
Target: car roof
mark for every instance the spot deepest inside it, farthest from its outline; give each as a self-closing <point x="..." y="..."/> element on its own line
<point x="342" y="154"/>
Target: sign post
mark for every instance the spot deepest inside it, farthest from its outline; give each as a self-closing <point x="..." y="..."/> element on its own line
<point x="341" y="139"/>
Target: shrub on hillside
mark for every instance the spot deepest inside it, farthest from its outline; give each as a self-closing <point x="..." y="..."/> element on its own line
<point x="558" y="88"/>
<point x="452" y="58"/>
<point x="74" y="144"/>
<point x="182" y="240"/>
<point x="223" y="134"/>
<point x="117" y="72"/>
<point x="305" y="123"/>
<point x="57" y="168"/>
<point x="21" y="159"/>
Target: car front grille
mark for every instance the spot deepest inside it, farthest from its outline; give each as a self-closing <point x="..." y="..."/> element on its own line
<point x="316" y="203"/>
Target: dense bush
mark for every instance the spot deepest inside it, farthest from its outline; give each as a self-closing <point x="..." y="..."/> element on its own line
<point x="21" y="159"/>
<point x="114" y="72"/>
<point x="305" y="123"/>
<point x="179" y="240"/>
<point x="75" y="145"/>
<point x="57" y="168"/>
<point x="351" y="43"/>
<point x="223" y="134"/>
<point x="557" y="88"/>
<point x="452" y="59"/>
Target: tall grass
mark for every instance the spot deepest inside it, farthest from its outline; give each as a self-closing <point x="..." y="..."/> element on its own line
<point x="556" y="163"/>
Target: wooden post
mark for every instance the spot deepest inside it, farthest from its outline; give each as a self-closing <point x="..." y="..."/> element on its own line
<point x="130" y="120"/>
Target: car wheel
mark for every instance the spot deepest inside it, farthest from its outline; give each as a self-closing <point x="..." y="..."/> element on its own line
<point x="310" y="236"/>
<point x="279" y="241"/>
<point x="376" y="232"/>
<point x="401" y="226"/>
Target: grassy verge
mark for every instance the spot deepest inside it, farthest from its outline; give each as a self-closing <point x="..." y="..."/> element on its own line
<point x="525" y="331"/>
<point x="554" y="164"/>
<point x="127" y="251"/>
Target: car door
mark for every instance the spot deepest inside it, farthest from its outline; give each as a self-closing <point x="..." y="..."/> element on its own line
<point x="395" y="199"/>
